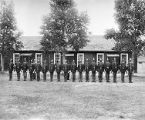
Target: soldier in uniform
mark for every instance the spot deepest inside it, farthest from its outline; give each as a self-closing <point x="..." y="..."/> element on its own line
<point x="51" y="70"/>
<point x="38" y="70"/>
<point x="114" y="70"/>
<point x="44" y="70"/>
<point x="123" y="69"/>
<point x="80" y="70"/>
<point x="73" y="70"/>
<point x="100" y="70"/>
<point x="58" y="70"/>
<point x="18" y="68"/>
<point x="65" y="70"/>
<point x="31" y="70"/>
<point x="11" y="68"/>
<point x="34" y="70"/>
<point x="93" y="69"/>
<point x="107" y="69"/>
<point x="87" y="70"/>
<point x="130" y="69"/>
<point x="25" y="68"/>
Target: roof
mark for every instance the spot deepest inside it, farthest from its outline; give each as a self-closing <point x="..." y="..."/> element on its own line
<point x="97" y="43"/>
<point x="141" y="59"/>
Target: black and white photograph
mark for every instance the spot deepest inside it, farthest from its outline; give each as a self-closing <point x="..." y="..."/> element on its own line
<point x="72" y="59"/>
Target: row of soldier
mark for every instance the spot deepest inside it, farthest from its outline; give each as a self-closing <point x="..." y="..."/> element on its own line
<point x="35" y="69"/>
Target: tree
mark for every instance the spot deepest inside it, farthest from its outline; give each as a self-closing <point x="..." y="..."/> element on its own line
<point x="130" y="16"/>
<point x="8" y="32"/>
<point x="64" y="27"/>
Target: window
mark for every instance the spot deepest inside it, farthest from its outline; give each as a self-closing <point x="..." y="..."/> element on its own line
<point x="38" y="58"/>
<point x="100" y="56"/>
<point x="57" y="58"/>
<point x="80" y="58"/>
<point x="16" y="57"/>
<point x="125" y="57"/>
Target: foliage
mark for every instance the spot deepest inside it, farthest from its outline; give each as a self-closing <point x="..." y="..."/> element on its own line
<point x="64" y="27"/>
<point x="8" y="31"/>
<point x="130" y="16"/>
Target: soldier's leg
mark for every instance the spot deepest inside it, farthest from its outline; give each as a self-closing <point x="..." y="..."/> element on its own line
<point x="51" y="77"/>
<point x="80" y="77"/>
<point x="18" y="76"/>
<point x="122" y="77"/>
<point x="108" y="77"/>
<point x="73" y="77"/>
<point x="38" y="76"/>
<point x="10" y="76"/>
<point x="93" y="77"/>
<point x="65" y="76"/>
<point x="58" y="76"/>
<point x="30" y="74"/>
<point x="44" y="76"/>
<point x="114" y="77"/>
<point x="130" y="77"/>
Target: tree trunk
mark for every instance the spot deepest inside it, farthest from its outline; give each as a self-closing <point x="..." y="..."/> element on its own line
<point x="2" y="63"/>
<point x="135" y="61"/>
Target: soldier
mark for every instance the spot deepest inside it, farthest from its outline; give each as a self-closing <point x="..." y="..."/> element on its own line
<point x="18" y="68"/>
<point x="100" y="70"/>
<point x="44" y="70"/>
<point x="73" y="70"/>
<point x="123" y="69"/>
<point x="34" y="70"/>
<point x="130" y="69"/>
<point x="51" y="70"/>
<point x="80" y="70"/>
<point x="31" y="70"/>
<point x="38" y="70"/>
<point x="11" y="68"/>
<point x="87" y="70"/>
<point x="25" y="68"/>
<point x="114" y="70"/>
<point x="58" y="70"/>
<point x="107" y="69"/>
<point x="66" y="70"/>
<point x="93" y="69"/>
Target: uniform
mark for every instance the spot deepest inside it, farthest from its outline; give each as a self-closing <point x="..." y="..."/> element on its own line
<point x="34" y="70"/>
<point x="31" y="71"/>
<point x="51" y="70"/>
<point x="25" y="68"/>
<point x="100" y="70"/>
<point x="108" y="69"/>
<point x="130" y="69"/>
<point x="123" y="69"/>
<point x="114" y="70"/>
<point x="66" y="70"/>
<point x="11" y="68"/>
<point x="44" y="70"/>
<point x="80" y="70"/>
<point x="58" y="70"/>
<point x="87" y="70"/>
<point x="38" y="70"/>
<point x="93" y="69"/>
<point x="18" y="68"/>
<point x="73" y="70"/>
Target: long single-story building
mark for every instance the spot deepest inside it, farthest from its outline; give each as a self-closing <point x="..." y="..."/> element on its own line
<point x="98" y="48"/>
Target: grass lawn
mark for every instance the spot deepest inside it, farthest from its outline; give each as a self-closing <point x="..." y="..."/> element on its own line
<point x="32" y="100"/>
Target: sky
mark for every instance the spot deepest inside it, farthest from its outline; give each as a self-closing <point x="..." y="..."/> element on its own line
<point x="29" y="14"/>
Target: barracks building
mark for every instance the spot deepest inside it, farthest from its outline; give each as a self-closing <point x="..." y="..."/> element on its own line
<point x="98" y="48"/>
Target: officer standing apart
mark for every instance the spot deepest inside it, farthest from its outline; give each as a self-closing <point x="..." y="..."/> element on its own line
<point x="25" y="68"/>
<point x="93" y="69"/>
<point x="114" y="70"/>
<point x="44" y="70"/>
<point x="107" y="69"/>
<point x="11" y="68"/>
<point x="100" y="70"/>
<point x="58" y="68"/>
<point x="123" y="69"/>
<point x="80" y="70"/>
<point x="73" y="70"/>
<point x="38" y="70"/>
<point x="65" y="70"/>
<point x="18" y="68"/>
<point x="51" y="70"/>
<point x="87" y="70"/>
<point x="130" y="69"/>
